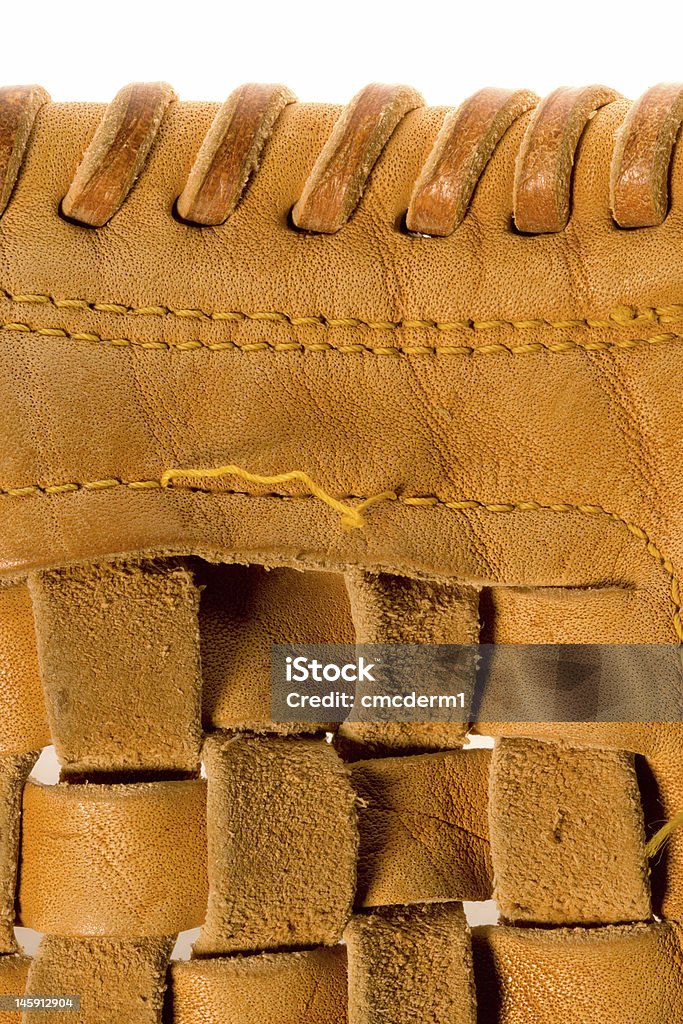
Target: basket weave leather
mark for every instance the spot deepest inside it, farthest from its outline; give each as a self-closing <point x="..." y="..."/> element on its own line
<point x="275" y="372"/>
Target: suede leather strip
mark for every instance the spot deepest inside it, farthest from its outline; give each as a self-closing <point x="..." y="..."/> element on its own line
<point x="388" y="609"/>
<point x="14" y="770"/>
<point x="117" y="979"/>
<point x="243" y="611"/>
<point x="567" y="835"/>
<point x="395" y="953"/>
<point x="282" y="844"/>
<point x="309" y="987"/>
<point x="14" y="970"/>
<point x="119" y="655"/>
<point x="23" y="718"/>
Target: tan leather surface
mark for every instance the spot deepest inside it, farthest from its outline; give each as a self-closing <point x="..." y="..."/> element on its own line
<point x="282" y="844"/>
<point x="23" y="720"/>
<point x="395" y="953"/>
<point x="307" y="987"/>
<point x="479" y="431"/>
<point x="119" y="657"/>
<point x="113" y="860"/>
<point x="571" y="287"/>
<point x="423" y="824"/>
<point x="616" y="975"/>
<point x="567" y="835"/>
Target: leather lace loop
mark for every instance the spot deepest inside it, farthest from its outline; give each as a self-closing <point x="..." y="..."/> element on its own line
<point x="544" y="163"/>
<point x="117" y="153"/>
<point x="642" y="157"/>
<point x="231" y="153"/>
<point x="19" y="105"/>
<point x="340" y="174"/>
<point x="462" y="149"/>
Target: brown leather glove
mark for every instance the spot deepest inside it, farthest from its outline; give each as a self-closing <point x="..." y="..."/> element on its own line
<point x="277" y="372"/>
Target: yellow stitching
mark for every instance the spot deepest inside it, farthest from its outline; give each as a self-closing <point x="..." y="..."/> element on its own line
<point x="660" y="838"/>
<point x="622" y="316"/>
<point x="395" y="351"/>
<point x="338" y="503"/>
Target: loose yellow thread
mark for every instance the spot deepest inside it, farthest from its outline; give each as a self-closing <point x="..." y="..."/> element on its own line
<point x="351" y="518"/>
<point x="393" y="351"/>
<point x="659" y="839"/>
<point x="623" y="316"/>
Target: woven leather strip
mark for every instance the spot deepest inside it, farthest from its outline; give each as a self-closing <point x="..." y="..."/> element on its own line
<point x="72" y="832"/>
<point x="308" y="986"/>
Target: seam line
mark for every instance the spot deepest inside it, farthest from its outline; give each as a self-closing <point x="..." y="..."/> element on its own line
<point x="622" y="316"/>
<point x="397" y="351"/>
<point x="415" y="501"/>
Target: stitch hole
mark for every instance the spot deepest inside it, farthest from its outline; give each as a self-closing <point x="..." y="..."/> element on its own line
<point x="401" y="226"/>
<point x="179" y="219"/>
<point x="293" y="226"/>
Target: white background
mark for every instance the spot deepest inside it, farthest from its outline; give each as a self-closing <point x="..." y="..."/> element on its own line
<point x="327" y="51"/>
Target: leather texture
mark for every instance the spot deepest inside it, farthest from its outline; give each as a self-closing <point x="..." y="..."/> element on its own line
<point x="273" y="371"/>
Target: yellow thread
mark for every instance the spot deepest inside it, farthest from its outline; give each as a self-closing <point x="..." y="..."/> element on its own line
<point x="623" y="316"/>
<point x="393" y="351"/>
<point x="352" y="516"/>
<point x="659" y="839"/>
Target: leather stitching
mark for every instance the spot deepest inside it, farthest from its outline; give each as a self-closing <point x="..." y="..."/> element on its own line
<point x="622" y="316"/>
<point x="419" y="501"/>
<point x="358" y="348"/>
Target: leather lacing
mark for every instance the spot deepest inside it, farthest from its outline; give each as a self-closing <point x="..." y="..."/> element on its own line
<point x="233" y="148"/>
